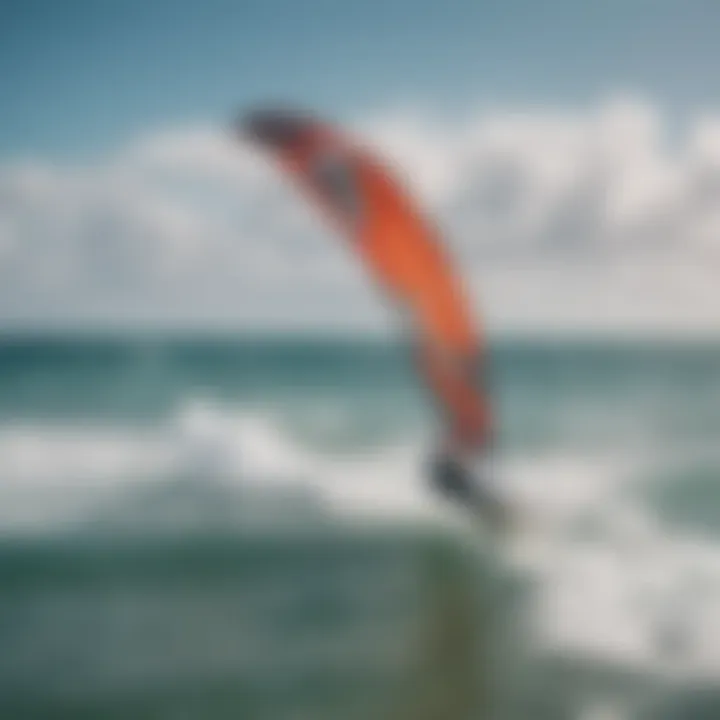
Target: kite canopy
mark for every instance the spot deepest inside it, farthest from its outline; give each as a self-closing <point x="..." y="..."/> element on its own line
<point x="402" y="251"/>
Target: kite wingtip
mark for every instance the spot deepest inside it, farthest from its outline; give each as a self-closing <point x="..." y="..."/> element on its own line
<point x="274" y="124"/>
<point x="450" y="476"/>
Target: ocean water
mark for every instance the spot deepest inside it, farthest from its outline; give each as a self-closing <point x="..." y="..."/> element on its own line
<point x="130" y="467"/>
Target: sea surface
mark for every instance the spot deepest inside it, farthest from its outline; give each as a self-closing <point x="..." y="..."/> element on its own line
<point x="129" y="465"/>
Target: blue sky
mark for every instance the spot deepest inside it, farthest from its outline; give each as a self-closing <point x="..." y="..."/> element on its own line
<point x="123" y="199"/>
<point x="80" y="76"/>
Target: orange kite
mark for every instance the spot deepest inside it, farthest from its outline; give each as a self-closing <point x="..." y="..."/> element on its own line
<point x="402" y="251"/>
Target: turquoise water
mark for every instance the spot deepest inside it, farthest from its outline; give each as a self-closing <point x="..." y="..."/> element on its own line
<point x="657" y="392"/>
<point x="105" y="442"/>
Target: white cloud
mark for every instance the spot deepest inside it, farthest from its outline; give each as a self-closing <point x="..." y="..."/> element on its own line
<point x="578" y="220"/>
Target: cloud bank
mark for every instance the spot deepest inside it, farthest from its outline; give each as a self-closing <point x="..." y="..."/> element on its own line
<point x="562" y="221"/>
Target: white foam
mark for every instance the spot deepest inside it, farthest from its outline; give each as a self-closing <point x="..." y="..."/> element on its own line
<point x="56" y="472"/>
<point x="633" y="592"/>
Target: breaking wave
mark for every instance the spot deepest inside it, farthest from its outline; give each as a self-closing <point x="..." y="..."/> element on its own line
<point x="612" y="579"/>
